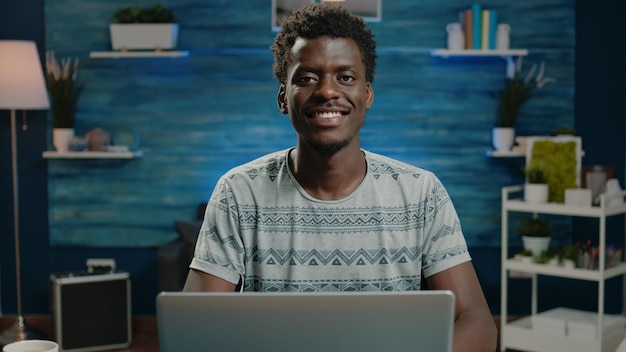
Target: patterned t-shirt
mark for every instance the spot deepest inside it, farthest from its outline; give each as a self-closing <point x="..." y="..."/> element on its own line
<point x="260" y="224"/>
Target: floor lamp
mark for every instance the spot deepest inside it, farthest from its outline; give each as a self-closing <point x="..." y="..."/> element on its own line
<point x="22" y="87"/>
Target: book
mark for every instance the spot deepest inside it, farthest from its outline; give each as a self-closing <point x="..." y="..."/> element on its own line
<point x="484" y="30"/>
<point x="466" y="23"/>
<point x="476" y="26"/>
<point x="493" y="26"/>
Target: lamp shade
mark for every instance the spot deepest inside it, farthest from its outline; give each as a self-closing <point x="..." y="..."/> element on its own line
<point x="22" y="85"/>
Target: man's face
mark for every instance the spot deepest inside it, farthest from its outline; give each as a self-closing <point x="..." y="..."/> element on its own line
<point x="326" y="94"/>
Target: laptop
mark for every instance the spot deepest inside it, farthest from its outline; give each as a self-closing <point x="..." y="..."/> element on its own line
<point x="305" y="322"/>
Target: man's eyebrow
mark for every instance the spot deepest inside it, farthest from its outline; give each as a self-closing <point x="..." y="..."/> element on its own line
<point x="306" y="68"/>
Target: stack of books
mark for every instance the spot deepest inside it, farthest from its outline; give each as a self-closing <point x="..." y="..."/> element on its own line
<point x="479" y="27"/>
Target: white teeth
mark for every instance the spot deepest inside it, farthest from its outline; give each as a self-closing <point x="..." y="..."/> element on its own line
<point x="327" y="115"/>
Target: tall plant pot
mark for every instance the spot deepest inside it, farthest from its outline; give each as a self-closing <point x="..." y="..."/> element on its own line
<point x="537" y="245"/>
<point x="536" y="192"/>
<point x="503" y="138"/>
<point x="61" y="139"/>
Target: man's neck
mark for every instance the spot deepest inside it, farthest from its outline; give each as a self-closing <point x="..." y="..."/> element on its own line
<point x="328" y="176"/>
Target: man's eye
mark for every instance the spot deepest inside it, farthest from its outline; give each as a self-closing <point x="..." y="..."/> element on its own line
<point x="346" y="79"/>
<point x="305" y="80"/>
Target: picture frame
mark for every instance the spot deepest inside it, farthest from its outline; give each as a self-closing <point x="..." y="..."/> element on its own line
<point x="369" y="10"/>
<point x="560" y="157"/>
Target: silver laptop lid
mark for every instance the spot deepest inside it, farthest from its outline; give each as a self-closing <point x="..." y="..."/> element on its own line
<point x="303" y="322"/>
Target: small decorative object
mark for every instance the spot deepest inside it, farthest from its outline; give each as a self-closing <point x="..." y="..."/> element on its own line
<point x="98" y="139"/>
<point x="61" y="81"/>
<point x="580" y="197"/>
<point x="596" y="180"/>
<point x="535" y="235"/>
<point x="515" y="94"/>
<point x="150" y="28"/>
<point x="503" y="36"/>
<point x="536" y="186"/>
<point x="456" y="38"/>
<point x="78" y="144"/>
<point x="613" y="192"/>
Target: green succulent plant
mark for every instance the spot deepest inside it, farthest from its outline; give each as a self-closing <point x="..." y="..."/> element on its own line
<point x="535" y="227"/>
<point x="536" y="175"/>
<point x="154" y="14"/>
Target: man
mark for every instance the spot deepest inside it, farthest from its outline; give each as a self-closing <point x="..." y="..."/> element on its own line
<point x="327" y="215"/>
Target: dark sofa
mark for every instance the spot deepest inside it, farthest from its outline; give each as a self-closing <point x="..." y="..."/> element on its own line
<point x="173" y="258"/>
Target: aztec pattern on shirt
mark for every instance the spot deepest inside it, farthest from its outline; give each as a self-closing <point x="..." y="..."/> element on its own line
<point x="397" y="226"/>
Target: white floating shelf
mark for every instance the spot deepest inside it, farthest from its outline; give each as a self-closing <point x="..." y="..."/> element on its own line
<point x="136" y="54"/>
<point x="511" y="153"/>
<point x="92" y="155"/>
<point x="444" y="53"/>
<point x="505" y="153"/>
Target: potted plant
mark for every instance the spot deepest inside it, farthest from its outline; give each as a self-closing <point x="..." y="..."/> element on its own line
<point x="564" y="131"/>
<point x="64" y="90"/>
<point x="512" y="97"/>
<point x="144" y="28"/>
<point x="525" y="256"/>
<point x="536" y="186"/>
<point x="569" y="255"/>
<point x="535" y="234"/>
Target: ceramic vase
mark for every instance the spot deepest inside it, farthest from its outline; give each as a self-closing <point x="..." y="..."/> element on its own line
<point x="61" y="139"/>
<point x="503" y="138"/>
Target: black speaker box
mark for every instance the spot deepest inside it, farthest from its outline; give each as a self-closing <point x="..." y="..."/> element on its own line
<point x="90" y="312"/>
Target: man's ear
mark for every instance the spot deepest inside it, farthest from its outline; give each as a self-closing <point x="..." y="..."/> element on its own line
<point x="281" y="99"/>
<point x="369" y="96"/>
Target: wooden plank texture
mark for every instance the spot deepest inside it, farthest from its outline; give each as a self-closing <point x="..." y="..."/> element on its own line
<point x="201" y="115"/>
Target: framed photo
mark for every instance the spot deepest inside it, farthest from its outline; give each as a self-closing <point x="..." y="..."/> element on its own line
<point x="369" y="10"/>
<point x="284" y="8"/>
<point x="560" y="157"/>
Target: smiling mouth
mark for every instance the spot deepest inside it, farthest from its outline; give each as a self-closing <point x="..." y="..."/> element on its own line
<point x="327" y="114"/>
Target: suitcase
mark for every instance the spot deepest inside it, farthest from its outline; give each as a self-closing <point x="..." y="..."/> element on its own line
<point x="90" y="312"/>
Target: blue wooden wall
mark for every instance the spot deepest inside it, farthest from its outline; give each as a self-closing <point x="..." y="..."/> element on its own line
<point x="201" y="115"/>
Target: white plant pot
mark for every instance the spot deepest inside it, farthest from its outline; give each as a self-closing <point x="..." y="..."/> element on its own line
<point x="536" y="192"/>
<point x="527" y="260"/>
<point x="503" y="138"/>
<point x="61" y="139"/>
<point x="144" y="36"/>
<point x="537" y="245"/>
<point x="569" y="264"/>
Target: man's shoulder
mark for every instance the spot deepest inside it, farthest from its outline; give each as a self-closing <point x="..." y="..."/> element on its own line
<point x="268" y="164"/>
<point x="378" y="164"/>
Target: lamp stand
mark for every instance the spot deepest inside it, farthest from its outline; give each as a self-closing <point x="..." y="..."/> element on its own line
<point x="19" y="331"/>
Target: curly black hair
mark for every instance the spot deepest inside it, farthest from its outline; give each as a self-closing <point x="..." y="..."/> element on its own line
<point x="322" y="20"/>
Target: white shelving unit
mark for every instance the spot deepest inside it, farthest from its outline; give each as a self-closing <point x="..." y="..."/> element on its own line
<point x="92" y="155"/>
<point x="519" y="334"/>
<point x="136" y="54"/>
